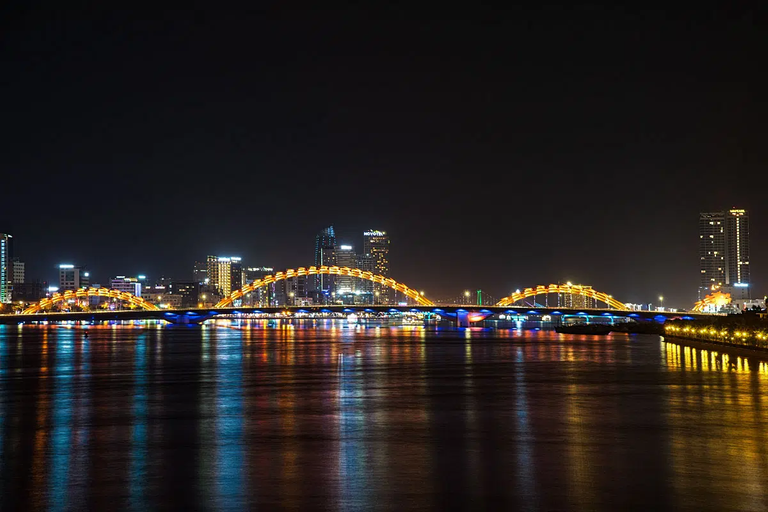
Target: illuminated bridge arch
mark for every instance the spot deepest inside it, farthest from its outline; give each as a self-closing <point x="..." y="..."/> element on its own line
<point x="575" y="289"/>
<point x="311" y="271"/>
<point x="89" y="292"/>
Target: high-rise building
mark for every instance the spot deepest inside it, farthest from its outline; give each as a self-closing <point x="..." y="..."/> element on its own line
<point x="131" y="285"/>
<point x="189" y="292"/>
<point x="366" y="264"/>
<point x="325" y="254"/>
<point x="5" y="268"/>
<point x="737" y="248"/>
<point x="225" y="274"/>
<point x="19" y="273"/>
<point x="72" y="277"/>
<point x="376" y="247"/>
<point x="724" y="253"/>
<point x="711" y="252"/>
<point x="260" y="296"/>
<point x="345" y="257"/>
<point x="30" y="291"/>
<point x="200" y="272"/>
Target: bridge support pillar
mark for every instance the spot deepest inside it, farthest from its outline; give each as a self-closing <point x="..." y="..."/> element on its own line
<point x="186" y="318"/>
<point x="462" y="318"/>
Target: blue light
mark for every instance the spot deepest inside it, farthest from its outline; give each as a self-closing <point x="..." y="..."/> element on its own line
<point x="660" y="318"/>
<point x="633" y="315"/>
<point x="487" y="311"/>
<point x="582" y="313"/>
<point x="606" y="314"/>
<point x="556" y="313"/>
<point x="368" y="310"/>
<point x="532" y="312"/>
<point x="325" y="310"/>
<point x="688" y="318"/>
<point x="414" y="310"/>
<point x="347" y="310"/>
<point x="437" y="310"/>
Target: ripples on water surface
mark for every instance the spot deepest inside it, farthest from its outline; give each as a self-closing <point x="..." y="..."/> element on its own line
<point x="234" y="417"/>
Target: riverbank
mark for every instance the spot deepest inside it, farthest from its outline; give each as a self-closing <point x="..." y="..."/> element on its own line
<point x="731" y="349"/>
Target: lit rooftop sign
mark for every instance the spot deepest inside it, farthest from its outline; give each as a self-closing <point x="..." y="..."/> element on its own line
<point x="375" y="233"/>
<point x="345" y="247"/>
<point x="66" y="266"/>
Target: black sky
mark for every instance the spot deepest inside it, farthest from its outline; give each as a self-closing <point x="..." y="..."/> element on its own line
<point x="500" y="149"/>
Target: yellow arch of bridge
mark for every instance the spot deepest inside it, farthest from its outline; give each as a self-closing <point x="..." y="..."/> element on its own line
<point x="89" y="292"/>
<point x="575" y="289"/>
<point x="338" y="271"/>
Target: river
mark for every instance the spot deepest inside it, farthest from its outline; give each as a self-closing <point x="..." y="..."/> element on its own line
<point x="240" y="416"/>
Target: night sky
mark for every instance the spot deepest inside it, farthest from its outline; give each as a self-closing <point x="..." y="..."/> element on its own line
<point x="500" y="149"/>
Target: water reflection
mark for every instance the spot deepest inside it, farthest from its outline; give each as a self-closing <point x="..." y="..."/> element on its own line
<point x="241" y="415"/>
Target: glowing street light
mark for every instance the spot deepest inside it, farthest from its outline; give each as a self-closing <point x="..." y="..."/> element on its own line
<point x="661" y="302"/>
<point x="466" y="294"/>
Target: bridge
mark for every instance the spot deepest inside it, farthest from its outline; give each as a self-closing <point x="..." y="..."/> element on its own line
<point x="462" y="314"/>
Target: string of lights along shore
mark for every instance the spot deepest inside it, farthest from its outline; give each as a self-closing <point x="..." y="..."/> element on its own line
<point x="724" y="276"/>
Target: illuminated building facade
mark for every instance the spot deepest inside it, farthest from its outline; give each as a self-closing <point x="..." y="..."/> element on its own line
<point x="5" y="268"/>
<point x="224" y="274"/>
<point x="366" y="264"/>
<point x="262" y="296"/>
<point x="72" y="277"/>
<point x="737" y="248"/>
<point x="724" y="253"/>
<point x="577" y="300"/>
<point x="376" y="247"/>
<point x="19" y="271"/>
<point x="345" y="257"/>
<point x="711" y="252"/>
<point x="126" y="284"/>
<point x="189" y="291"/>
<point x="325" y="254"/>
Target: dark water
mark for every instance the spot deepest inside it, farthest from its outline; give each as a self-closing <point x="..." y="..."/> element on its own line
<point x="235" y="417"/>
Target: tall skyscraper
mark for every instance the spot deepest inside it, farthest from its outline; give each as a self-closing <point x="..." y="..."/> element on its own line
<point x="724" y="253"/>
<point x="225" y="274"/>
<point x="737" y="248"/>
<point x="200" y="272"/>
<point x="376" y="247"/>
<point x="5" y="268"/>
<point x="19" y="271"/>
<point x="345" y="257"/>
<point x="711" y="252"/>
<point x="325" y="254"/>
<point x="72" y="277"/>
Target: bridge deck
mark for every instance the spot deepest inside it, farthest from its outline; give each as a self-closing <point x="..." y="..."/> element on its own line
<point x="201" y="314"/>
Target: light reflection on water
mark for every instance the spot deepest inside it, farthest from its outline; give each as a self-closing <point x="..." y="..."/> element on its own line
<point x="238" y="415"/>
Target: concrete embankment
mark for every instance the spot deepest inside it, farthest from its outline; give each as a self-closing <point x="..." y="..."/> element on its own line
<point x="735" y="350"/>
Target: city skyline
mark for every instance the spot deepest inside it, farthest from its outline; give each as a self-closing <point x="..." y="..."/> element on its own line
<point x="495" y="161"/>
<point x="722" y="216"/>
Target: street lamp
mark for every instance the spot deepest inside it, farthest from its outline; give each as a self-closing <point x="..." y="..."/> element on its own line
<point x="661" y="302"/>
<point x="466" y="296"/>
<point x="292" y="295"/>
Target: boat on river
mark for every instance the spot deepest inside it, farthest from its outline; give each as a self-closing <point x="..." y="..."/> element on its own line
<point x="597" y="329"/>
